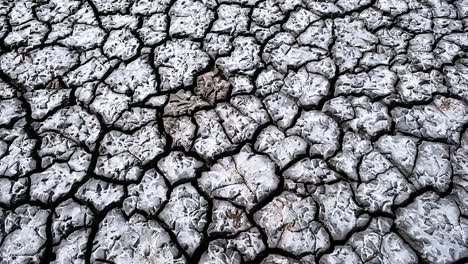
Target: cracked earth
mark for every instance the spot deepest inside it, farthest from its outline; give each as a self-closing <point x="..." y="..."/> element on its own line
<point x="233" y="131"/>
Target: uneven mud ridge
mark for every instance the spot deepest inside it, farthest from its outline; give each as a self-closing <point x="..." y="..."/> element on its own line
<point x="233" y="131"/>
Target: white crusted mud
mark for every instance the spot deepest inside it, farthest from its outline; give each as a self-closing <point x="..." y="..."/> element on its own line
<point x="233" y="131"/>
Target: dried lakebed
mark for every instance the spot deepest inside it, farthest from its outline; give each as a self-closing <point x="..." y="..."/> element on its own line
<point x="233" y="131"/>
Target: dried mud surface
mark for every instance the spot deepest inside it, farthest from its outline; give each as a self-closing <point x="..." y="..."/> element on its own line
<point x="233" y="131"/>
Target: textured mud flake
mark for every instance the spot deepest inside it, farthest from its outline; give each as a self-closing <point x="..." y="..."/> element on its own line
<point x="378" y="82"/>
<point x="282" y="109"/>
<point x="309" y="171"/>
<point x="23" y="234"/>
<point x="148" y="195"/>
<point x="68" y="217"/>
<point x="244" y="247"/>
<point x="17" y="150"/>
<point x="227" y="219"/>
<point x="280" y="148"/>
<point x="100" y="194"/>
<point x="383" y="185"/>
<point x="245" y="178"/>
<point x="183" y="103"/>
<point x="211" y="139"/>
<point x="308" y="88"/>
<point x="178" y="61"/>
<point x="74" y="123"/>
<point x="133" y="240"/>
<point x="189" y="18"/>
<point x="319" y="130"/>
<point x="338" y="211"/>
<point x="432" y="167"/>
<point x="370" y="118"/>
<point x="442" y="119"/>
<point x="71" y="248"/>
<point x="45" y="101"/>
<point x="290" y="224"/>
<point x="460" y="177"/>
<point x="10" y="110"/>
<point x="283" y="52"/>
<point x="178" y="166"/>
<point x="243" y="59"/>
<point x="181" y="129"/>
<point x="13" y="192"/>
<point x="38" y="67"/>
<point x="123" y="155"/>
<point x="434" y="227"/>
<point x="377" y="244"/>
<point x="59" y="178"/>
<point x="232" y="19"/>
<point x="186" y="214"/>
<point x="135" y="78"/>
<point x="354" y="147"/>
<point x="400" y="150"/>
